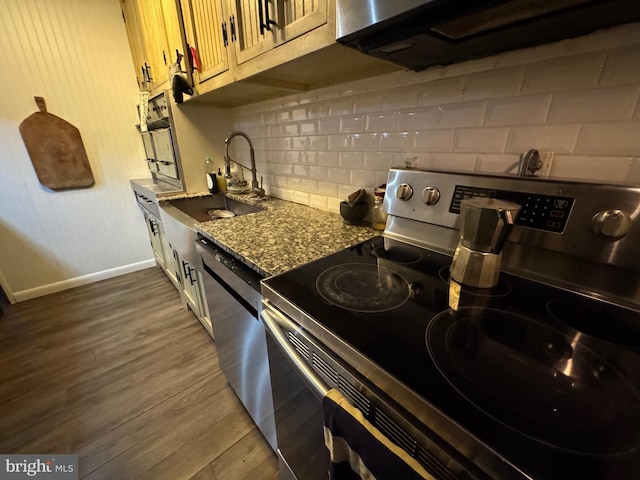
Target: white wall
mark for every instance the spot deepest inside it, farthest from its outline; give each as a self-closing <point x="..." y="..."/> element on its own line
<point x="577" y="98"/>
<point x="74" y="53"/>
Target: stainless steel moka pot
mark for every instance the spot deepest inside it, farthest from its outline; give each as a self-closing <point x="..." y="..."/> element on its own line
<point x="486" y="223"/>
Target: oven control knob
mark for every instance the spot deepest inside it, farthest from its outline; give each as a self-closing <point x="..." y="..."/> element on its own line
<point x="611" y="224"/>
<point x="430" y="195"/>
<point x="404" y="191"/>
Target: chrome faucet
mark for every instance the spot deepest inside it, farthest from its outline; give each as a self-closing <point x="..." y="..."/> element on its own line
<point x="255" y="187"/>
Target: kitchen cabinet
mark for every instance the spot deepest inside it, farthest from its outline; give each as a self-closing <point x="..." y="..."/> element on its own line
<point x="267" y="24"/>
<point x="208" y="31"/>
<point x="247" y="49"/>
<point x="156" y="237"/>
<point x="155" y="34"/>
<point x="192" y="287"/>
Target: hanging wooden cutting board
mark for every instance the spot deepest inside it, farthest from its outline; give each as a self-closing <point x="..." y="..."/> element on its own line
<point x="56" y="150"/>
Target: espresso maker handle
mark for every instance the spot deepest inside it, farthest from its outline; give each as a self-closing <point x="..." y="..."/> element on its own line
<point x="508" y="219"/>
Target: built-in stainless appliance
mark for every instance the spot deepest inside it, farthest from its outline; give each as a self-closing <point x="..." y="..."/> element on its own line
<point x="233" y="296"/>
<point x="535" y="378"/>
<point x="159" y="143"/>
<point x="421" y="33"/>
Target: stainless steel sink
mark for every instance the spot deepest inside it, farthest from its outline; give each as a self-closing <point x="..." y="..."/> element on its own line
<point x="198" y="207"/>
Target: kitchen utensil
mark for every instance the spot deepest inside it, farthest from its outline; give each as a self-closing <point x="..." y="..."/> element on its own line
<point x="56" y="150"/>
<point x="485" y="225"/>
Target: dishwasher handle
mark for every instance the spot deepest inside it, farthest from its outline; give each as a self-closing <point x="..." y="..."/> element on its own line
<point x="274" y="321"/>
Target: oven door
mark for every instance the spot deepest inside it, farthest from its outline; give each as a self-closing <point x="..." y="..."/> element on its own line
<point x="165" y="155"/>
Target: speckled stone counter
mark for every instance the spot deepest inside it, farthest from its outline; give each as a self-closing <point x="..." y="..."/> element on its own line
<point x="284" y="236"/>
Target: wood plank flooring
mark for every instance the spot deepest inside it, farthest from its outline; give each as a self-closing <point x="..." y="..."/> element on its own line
<point x="122" y="374"/>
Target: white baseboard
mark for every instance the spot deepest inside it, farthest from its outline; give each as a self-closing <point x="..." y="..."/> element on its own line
<point x="83" y="280"/>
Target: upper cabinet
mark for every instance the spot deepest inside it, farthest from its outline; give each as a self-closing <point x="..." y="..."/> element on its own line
<point x="265" y="24"/>
<point x="243" y="50"/>
<point x="155" y="35"/>
<point x="209" y="32"/>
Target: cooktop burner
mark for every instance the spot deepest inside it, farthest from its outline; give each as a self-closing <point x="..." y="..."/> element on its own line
<point x="363" y="288"/>
<point x="536" y="380"/>
<point x="506" y="366"/>
<point x="596" y="320"/>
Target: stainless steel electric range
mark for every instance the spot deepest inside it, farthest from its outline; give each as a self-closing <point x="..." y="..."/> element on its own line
<point x="535" y="378"/>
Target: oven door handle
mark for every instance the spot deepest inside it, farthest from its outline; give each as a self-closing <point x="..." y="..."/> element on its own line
<point x="273" y="320"/>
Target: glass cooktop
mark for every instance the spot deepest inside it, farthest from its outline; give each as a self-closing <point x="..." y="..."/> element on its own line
<point x="537" y="373"/>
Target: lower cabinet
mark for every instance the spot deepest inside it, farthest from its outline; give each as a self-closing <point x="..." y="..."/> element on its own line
<point x="180" y="265"/>
<point x="156" y="237"/>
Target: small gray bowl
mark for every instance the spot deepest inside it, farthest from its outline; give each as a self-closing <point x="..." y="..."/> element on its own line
<point x="353" y="215"/>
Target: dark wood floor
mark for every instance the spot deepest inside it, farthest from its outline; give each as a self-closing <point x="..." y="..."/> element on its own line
<point x="122" y="374"/>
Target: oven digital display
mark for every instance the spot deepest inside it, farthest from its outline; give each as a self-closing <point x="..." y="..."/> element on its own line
<point x="542" y="212"/>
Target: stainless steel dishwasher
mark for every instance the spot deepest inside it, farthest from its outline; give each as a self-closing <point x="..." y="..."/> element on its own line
<point x="234" y="299"/>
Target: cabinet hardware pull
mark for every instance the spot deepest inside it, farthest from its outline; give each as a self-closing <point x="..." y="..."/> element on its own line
<point x="147" y="68"/>
<point x="268" y="21"/>
<point x="232" y="22"/>
<point x="191" y="278"/>
<point x="225" y="40"/>
<point x="164" y="57"/>
<point x="260" y="16"/>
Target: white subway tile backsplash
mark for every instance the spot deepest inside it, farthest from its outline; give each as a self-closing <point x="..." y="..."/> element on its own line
<point x="319" y="173"/>
<point x="600" y="104"/>
<point x="527" y="110"/>
<point x="392" y="142"/>
<point x="613" y="138"/>
<point x="339" y="142"/>
<point x="363" y="178"/>
<point x="328" y="126"/>
<point x="288" y="130"/>
<point x="497" y="163"/>
<point x="622" y="67"/>
<point x="453" y="161"/>
<point x="554" y="138"/>
<point x="419" y="119"/>
<point x="481" y="140"/>
<point x="594" y="168"/>
<point x="318" y="201"/>
<point x="328" y="189"/>
<point x="317" y="110"/>
<point x="328" y="159"/>
<point x="367" y="103"/>
<point x="532" y="54"/>
<point x="309" y="157"/>
<point x="605" y="39"/>
<point x="399" y="98"/>
<point x="566" y="73"/>
<point x="318" y="147"/>
<point x="365" y="142"/>
<point x="378" y="160"/>
<point x="433" y="141"/>
<point x="309" y="128"/>
<point x="380" y="122"/>
<point x="441" y="92"/>
<point x="299" y="143"/>
<point x="298" y="114"/>
<point x="352" y="124"/>
<point x="460" y="115"/>
<point x="341" y="106"/>
<point x="351" y="159"/>
<point x="301" y="170"/>
<point x="318" y="142"/>
<point x="497" y="83"/>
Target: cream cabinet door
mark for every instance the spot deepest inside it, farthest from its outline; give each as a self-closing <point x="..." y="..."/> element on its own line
<point x="155" y="39"/>
<point x="254" y="35"/>
<point x="297" y="17"/>
<point x="133" y="26"/>
<point x="208" y="31"/>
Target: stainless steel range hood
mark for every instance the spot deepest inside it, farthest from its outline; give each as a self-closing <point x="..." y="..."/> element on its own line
<point x="420" y="33"/>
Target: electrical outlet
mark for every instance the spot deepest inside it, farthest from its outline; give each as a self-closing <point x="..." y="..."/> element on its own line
<point x="547" y="160"/>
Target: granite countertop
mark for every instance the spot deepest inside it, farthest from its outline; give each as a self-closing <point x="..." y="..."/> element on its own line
<point x="283" y="236"/>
